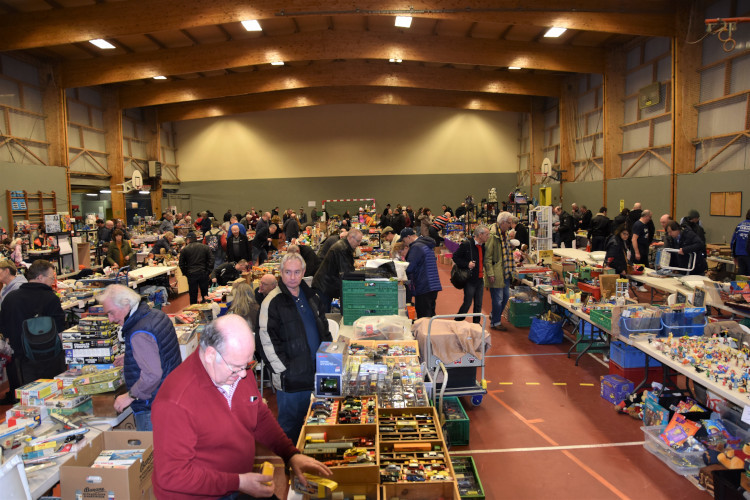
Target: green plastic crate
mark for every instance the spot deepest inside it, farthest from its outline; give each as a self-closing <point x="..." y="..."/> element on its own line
<point x="369" y="286"/>
<point x="456" y="422"/>
<point x="351" y="314"/>
<point x="602" y="317"/>
<point x="469" y="484"/>
<point x="525" y="308"/>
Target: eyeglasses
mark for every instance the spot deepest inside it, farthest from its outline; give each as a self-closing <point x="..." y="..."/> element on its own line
<point x="235" y="371"/>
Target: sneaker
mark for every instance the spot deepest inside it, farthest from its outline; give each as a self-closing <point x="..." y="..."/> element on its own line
<point x="499" y="328"/>
<point x="642" y="289"/>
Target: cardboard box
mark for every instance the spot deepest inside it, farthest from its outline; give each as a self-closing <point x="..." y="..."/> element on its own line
<point x="331" y="357"/>
<point x="615" y="388"/>
<point x="80" y="481"/>
<point x="560" y="268"/>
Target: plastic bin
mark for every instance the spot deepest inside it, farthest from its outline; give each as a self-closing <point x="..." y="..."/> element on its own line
<point x="469" y="484"/>
<point x="684" y="463"/>
<point x="655" y="374"/>
<point x="628" y="356"/>
<point x="632" y="326"/>
<point x="602" y="318"/>
<point x="521" y="313"/>
<point x="456" y="422"/>
<point x="684" y="322"/>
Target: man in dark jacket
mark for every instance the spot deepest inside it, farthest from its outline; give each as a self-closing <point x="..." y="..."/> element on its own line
<point x="292" y="325"/>
<point x="338" y="261"/>
<point x="601" y="228"/>
<point x="398" y="222"/>
<point x="470" y="255"/>
<point x="586" y="217"/>
<point x="291" y="227"/>
<point x="422" y="272"/>
<point x="261" y="242"/>
<point x="151" y="349"/>
<point x="238" y="247"/>
<point x="520" y="231"/>
<point x="740" y="245"/>
<point x="35" y="298"/>
<point x="566" y="228"/>
<point x="330" y="241"/>
<point x="692" y="221"/>
<point x="312" y="262"/>
<point x="228" y="272"/>
<point x="641" y="238"/>
<point x="163" y="243"/>
<point x="196" y="263"/>
<point x="634" y="215"/>
<point x="688" y="243"/>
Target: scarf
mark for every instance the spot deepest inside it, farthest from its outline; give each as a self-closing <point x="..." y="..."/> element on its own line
<point x="509" y="265"/>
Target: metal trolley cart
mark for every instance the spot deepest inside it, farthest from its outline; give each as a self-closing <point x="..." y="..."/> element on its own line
<point x="458" y="377"/>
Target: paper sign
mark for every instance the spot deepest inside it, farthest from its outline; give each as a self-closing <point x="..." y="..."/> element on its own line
<point x="746" y="414"/>
<point x="622" y="205"/>
<point x="311" y="203"/>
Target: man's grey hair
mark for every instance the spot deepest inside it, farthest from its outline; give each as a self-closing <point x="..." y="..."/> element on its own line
<point x="480" y="229"/>
<point x="292" y="256"/>
<point x="504" y="217"/>
<point x="212" y="337"/>
<point x="120" y="296"/>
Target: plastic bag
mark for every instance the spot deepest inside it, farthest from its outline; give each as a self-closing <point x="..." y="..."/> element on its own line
<point x="545" y="332"/>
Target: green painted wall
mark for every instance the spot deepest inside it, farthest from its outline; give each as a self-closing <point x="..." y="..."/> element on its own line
<point x="32" y="178"/>
<point x="651" y="192"/>
<point x="694" y="191"/>
<point x="415" y="190"/>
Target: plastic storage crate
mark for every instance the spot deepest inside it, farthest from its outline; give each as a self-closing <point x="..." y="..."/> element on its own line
<point x="602" y="318"/>
<point x="368" y="298"/>
<point x="628" y="356"/>
<point x="690" y="322"/>
<point x="585" y="334"/>
<point x="684" y="463"/>
<point x="521" y="313"/>
<point x="635" y="325"/>
<point x="469" y="484"/>
<point x="456" y="422"/>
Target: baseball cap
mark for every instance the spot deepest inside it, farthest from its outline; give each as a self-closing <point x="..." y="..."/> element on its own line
<point x="693" y="214"/>
<point x="387" y="230"/>
<point x="407" y="231"/>
<point x="191" y="236"/>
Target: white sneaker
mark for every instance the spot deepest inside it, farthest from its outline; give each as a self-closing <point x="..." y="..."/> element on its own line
<point x="642" y="289"/>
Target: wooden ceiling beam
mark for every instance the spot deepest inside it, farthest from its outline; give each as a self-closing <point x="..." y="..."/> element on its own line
<point x="342" y="73"/>
<point x="321" y="45"/>
<point x="25" y="30"/>
<point x="341" y="95"/>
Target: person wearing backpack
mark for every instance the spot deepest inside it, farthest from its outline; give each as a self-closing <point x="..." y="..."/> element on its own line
<point x="34" y="299"/>
<point x="213" y="240"/>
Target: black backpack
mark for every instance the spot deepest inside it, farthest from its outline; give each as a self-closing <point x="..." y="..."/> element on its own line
<point x="40" y="339"/>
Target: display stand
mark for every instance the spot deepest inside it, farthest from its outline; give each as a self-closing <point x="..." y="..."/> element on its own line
<point x="540" y="231"/>
<point x="29" y="206"/>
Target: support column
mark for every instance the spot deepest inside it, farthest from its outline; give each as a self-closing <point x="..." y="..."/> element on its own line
<point x="153" y="152"/>
<point x="56" y="123"/>
<point x="686" y="59"/>
<point x="536" y="130"/>
<point x="567" y="132"/>
<point x="614" y="116"/>
<point x="115" y="160"/>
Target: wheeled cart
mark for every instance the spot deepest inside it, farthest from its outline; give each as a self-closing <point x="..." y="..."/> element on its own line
<point x="457" y="376"/>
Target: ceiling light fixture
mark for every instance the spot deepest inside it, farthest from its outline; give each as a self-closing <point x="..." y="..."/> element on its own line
<point x="92" y="194"/>
<point x="277" y="63"/>
<point x="251" y="25"/>
<point x="160" y="77"/>
<point x="403" y="21"/>
<point x="105" y="191"/>
<point x="102" y="44"/>
<point x="554" y="32"/>
<point x="395" y="60"/>
<point x="514" y="67"/>
<point x="144" y="192"/>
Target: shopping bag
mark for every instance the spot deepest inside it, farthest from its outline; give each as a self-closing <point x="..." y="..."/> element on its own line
<point x="545" y="332"/>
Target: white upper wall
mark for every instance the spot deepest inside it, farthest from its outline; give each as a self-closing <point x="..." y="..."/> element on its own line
<point x="339" y="140"/>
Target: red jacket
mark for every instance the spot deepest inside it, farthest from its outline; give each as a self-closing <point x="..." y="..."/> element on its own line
<point x="200" y="445"/>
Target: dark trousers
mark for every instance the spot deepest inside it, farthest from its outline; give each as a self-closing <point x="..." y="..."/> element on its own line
<point x="14" y="377"/>
<point x="743" y="265"/>
<point x="644" y="256"/>
<point x="598" y="243"/>
<point x="194" y="282"/>
<point x="424" y="304"/>
<point x="473" y="292"/>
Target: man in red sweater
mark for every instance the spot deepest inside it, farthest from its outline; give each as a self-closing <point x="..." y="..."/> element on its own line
<point x="208" y="415"/>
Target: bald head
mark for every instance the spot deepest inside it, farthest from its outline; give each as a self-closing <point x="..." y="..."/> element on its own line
<point x="227" y="346"/>
<point x="267" y="283"/>
<point x="636" y="206"/>
<point x="664" y="220"/>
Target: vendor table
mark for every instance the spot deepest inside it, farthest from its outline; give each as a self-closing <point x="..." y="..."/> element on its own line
<point x="138" y="276"/>
<point x="574" y="253"/>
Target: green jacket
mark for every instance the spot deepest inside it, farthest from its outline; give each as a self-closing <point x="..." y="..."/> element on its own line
<point x="493" y="260"/>
<point x="113" y="254"/>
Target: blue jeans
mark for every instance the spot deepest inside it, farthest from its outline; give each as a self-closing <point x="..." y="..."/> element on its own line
<point x="292" y="411"/>
<point x="143" y="421"/>
<point x="499" y="298"/>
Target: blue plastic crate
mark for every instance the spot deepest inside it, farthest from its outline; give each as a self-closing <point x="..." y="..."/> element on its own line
<point x="633" y="326"/>
<point x="688" y="322"/>
<point x="629" y="356"/>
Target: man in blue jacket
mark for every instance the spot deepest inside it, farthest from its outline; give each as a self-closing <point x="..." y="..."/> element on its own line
<point x="422" y="272"/>
<point x="151" y="349"/>
<point x="741" y="246"/>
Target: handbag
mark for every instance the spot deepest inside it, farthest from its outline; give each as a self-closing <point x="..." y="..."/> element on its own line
<point x="460" y="276"/>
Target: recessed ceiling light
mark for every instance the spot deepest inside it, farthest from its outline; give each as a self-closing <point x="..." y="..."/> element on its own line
<point x="395" y="60"/>
<point x="403" y="21"/>
<point x="514" y="67"/>
<point x="277" y="63"/>
<point x="160" y="77"/>
<point x="554" y="32"/>
<point x="102" y="44"/>
<point x="92" y="194"/>
<point x="105" y="191"/>
<point x="251" y="25"/>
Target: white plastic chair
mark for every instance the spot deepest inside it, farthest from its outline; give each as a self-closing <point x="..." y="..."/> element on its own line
<point x="333" y="327"/>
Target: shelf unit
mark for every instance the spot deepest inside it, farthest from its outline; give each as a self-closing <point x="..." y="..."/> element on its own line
<point x="540" y="231"/>
<point x="33" y="207"/>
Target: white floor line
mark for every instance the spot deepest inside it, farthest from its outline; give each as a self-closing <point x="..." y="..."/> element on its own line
<point x="550" y="448"/>
<point x="525" y="355"/>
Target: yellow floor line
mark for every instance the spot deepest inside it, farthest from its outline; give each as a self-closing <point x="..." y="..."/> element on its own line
<point x="586" y="385"/>
<point x="505" y="383"/>
<point x="532" y="383"/>
<point x="559" y="383"/>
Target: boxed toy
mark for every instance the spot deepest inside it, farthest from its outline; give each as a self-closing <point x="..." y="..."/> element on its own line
<point x="615" y="388"/>
<point x="331" y="357"/>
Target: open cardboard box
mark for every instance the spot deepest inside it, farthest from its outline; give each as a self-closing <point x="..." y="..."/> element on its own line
<point x="81" y="481"/>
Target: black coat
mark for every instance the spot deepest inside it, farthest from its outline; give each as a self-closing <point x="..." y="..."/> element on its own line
<point x="522" y="234"/>
<point x="225" y="273"/>
<point x="327" y="244"/>
<point x="29" y="300"/>
<point x="586" y="220"/>
<point x="312" y="262"/>
<point x="616" y="256"/>
<point x="600" y="226"/>
<point x="244" y="252"/>
<point x="467" y="252"/>
<point x="689" y="242"/>
<point x="196" y="259"/>
<point x="567" y="228"/>
<point x="338" y="260"/>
